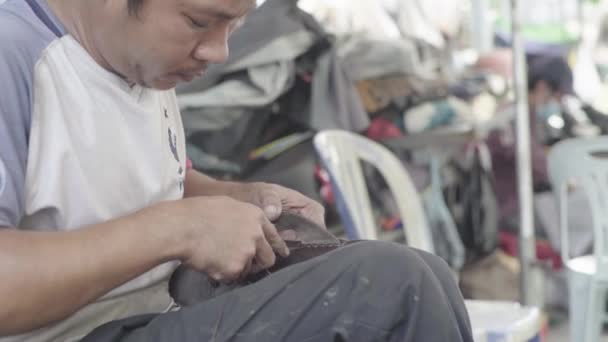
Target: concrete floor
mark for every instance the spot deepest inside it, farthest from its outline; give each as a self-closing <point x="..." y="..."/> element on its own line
<point x="559" y="333"/>
<point x="560" y="330"/>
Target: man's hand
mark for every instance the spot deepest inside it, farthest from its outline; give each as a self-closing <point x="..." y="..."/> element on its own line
<point x="274" y="200"/>
<point x="226" y="238"/>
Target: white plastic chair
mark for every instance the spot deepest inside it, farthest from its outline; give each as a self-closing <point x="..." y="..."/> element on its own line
<point x="342" y="153"/>
<point x="583" y="163"/>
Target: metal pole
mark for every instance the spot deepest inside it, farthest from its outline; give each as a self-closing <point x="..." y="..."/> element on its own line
<point x="527" y="249"/>
<point x="481" y="27"/>
<point x="581" y="20"/>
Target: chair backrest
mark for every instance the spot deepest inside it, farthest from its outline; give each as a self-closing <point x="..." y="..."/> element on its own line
<point x="341" y="153"/>
<point x="583" y="164"/>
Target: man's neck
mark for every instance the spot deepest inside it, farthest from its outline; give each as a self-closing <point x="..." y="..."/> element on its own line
<point x="75" y="17"/>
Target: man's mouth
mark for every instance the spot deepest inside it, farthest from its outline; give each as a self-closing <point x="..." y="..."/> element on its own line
<point x="188" y="76"/>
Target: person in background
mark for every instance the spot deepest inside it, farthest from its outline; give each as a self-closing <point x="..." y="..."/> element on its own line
<point x="549" y="79"/>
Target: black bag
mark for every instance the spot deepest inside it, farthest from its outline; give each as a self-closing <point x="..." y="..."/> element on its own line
<point x="472" y="201"/>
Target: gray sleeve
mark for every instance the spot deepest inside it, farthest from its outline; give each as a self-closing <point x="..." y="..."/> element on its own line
<point x="16" y="64"/>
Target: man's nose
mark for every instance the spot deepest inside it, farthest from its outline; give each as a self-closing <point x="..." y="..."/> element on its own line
<point x="213" y="49"/>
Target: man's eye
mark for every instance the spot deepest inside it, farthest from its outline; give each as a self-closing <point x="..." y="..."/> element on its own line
<point x="197" y="23"/>
<point x="237" y="24"/>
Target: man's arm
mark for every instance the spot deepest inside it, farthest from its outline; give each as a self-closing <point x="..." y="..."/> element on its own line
<point x="198" y="184"/>
<point x="49" y="276"/>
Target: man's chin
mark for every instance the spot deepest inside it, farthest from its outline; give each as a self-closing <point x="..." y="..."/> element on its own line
<point x="161" y="84"/>
<point x="164" y="86"/>
<point x="167" y="82"/>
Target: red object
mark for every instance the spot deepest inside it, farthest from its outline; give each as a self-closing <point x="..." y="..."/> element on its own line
<point x="509" y="243"/>
<point x="381" y="128"/>
<point x="307" y="77"/>
<point x="391" y="223"/>
<point x="189" y="165"/>
<point x="327" y="191"/>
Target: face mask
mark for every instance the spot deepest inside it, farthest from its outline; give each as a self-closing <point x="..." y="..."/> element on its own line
<point x="548" y="109"/>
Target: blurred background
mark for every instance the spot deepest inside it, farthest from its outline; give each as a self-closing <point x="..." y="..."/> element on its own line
<point x="436" y="84"/>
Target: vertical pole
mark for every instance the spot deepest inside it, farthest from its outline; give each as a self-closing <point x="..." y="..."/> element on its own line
<point x="527" y="251"/>
<point x="482" y="28"/>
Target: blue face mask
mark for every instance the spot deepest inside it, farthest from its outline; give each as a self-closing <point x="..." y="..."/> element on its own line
<point x="552" y="107"/>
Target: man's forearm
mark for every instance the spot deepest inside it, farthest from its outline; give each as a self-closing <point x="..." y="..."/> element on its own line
<point x="49" y="276"/>
<point x="198" y="184"/>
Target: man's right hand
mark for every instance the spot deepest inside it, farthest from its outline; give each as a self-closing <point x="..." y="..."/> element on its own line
<point x="225" y="238"/>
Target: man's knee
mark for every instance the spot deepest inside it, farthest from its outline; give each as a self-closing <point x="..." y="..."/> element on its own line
<point x="378" y="256"/>
<point x="441" y="268"/>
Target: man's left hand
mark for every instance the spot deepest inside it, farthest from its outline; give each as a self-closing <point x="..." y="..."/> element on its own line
<point x="274" y="200"/>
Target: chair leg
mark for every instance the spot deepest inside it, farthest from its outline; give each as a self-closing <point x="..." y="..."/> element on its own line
<point x="580" y="297"/>
<point x="595" y="312"/>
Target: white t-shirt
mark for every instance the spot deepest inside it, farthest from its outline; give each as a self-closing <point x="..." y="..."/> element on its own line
<point x="78" y="145"/>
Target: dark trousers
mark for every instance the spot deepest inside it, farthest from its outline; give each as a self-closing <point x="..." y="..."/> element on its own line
<point x="370" y="291"/>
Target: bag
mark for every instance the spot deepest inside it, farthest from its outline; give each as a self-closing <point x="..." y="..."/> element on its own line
<point x="473" y="203"/>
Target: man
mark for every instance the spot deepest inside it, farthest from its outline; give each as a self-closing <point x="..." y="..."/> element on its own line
<point x="99" y="205"/>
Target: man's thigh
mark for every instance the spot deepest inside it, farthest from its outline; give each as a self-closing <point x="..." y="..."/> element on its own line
<point x="363" y="292"/>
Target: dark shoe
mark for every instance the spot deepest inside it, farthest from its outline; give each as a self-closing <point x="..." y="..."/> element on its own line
<point x="188" y="286"/>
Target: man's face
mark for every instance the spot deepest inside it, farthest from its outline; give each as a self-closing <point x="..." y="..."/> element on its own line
<point x="172" y="41"/>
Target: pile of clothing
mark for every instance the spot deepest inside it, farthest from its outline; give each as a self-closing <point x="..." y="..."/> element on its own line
<point x="287" y="74"/>
<point x="298" y="67"/>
